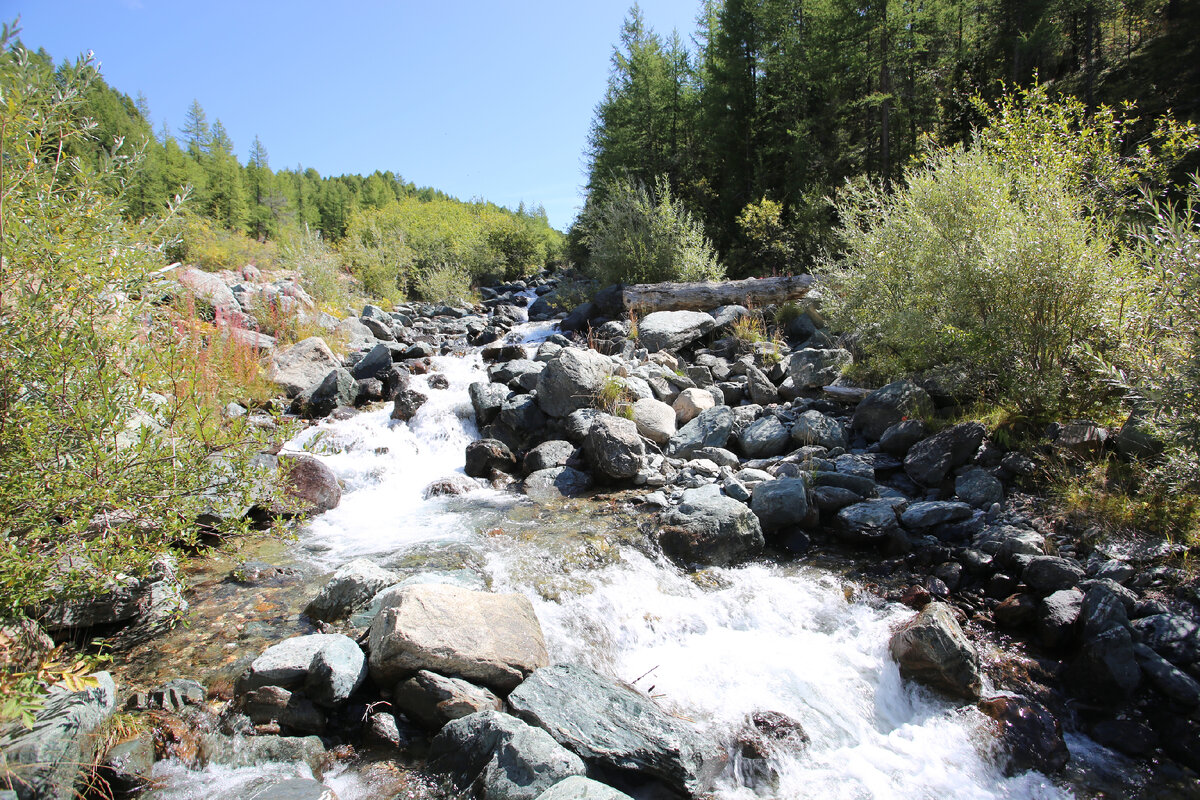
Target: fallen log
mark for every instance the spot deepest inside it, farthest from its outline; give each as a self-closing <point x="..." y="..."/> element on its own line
<point x="705" y="296"/>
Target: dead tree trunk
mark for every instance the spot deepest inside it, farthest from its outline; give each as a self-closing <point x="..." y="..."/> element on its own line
<point x="645" y="298"/>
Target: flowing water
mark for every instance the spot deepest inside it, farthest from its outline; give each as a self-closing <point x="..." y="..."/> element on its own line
<point x="713" y="647"/>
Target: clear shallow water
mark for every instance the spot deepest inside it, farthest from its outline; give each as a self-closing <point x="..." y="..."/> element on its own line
<point x="712" y="647"/>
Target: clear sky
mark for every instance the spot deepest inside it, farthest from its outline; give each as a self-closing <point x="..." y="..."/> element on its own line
<point x="479" y="98"/>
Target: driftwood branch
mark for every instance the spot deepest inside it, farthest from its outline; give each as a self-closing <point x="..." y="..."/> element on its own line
<point x="647" y="297"/>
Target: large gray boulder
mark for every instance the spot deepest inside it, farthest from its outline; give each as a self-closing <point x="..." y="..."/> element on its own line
<point x="929" y="462"/>
<point x="710" y="429"/>
<point x="614" y="449"/>
<point x="764" y="438"/>
<point x="491" y="639"/>
<point x="377" y="360"/>
<point x="493" y="756"/>
<point x="670" y="330"/>
<point x="572" y="380"/>
<point x="781" y="503"/>
<point x="554" y="483"/>
<point x="338" y="388"/>
<point x="1048" y="574"/>
<point x="577" y="788"/>
<point x="930" y="513"/>
<point x="888" y="405"/>
<point x="302" y="366"/>
<point x="709" y="528"/>
<point x="47" y="760"/>
<point x="432" y="700"/>
<point x="978" y="487"/>
<point x="612" y="724"/>
<point x="932" y="649"/>
<point x="350" y="588"/>
<point x="811" y="368"/>
<point x="815" y="428"/>
<point x="329" y="667"/>
<point x="486" y="401"/>
<point x="210" y="289"/>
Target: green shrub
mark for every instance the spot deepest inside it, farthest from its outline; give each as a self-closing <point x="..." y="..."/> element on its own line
<point x="111" y="437"/>
<point x="444" y="284"/>
<point x="319" y="266"/>
<point x="199" y="243"/>
<point x="639" y="235"/>
<point x="1000" y="262"/>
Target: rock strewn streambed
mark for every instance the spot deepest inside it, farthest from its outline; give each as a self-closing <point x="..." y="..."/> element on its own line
<point x="730" y="645"/>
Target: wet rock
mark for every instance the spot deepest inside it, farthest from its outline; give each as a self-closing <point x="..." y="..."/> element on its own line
<point x="486" y="400"/>
<point x="611" y="724"/>
<point x="580" y="788"/>
<point x="690" y="403"/>
<point x="833" y="498"/>
<point x="815" y="428"/>
<point x="449" y="487"/>
<point x="571" y="380"/>
<point x="310" y="484"/>
<point x="614" y="449"/>
<point x="48" y="760"/>
<point x="1030" y="735"/>
<point x="519" y="375"/>
<point x="491" y="639"/>
<point x="493" y="756"/>
<point x="929" y="462"/>
<point x="329" y="667"/>
<point x="351" y="588"/>
<point x="486" y="455"/>
<point x="407" y="403"/>
<point x="780" y="503"/>
<point x="863" y="487"/>
<point x="432" y="700"/>
<point x="274" y="705"/>
<point x="889" y="405"/>
<point x="1125" y="736"/>
<point x="253" y="751"/>
<point x="710" y="429"/>
<point x="1057" y="617"/>
<point x="709" y="528"/>
<point x="929" y="513"/>
<point x="553" y="483"/>
<point x="899" y="438"/>
<point x="1047" y="574"/>
<point x="671" y="330"/>
<point x="301" y="366"/>
<point x="932" y="649"/>
<point x="766" y="734"/>
<point x="1101" y="610"/>
<point x="872" y="522"/>
<point x="127" y="765"/>
<point x="289" y="789"/>
<point x="978" y="488"/>
<point x="811" y="368"/>
<point x="382" y="730"/>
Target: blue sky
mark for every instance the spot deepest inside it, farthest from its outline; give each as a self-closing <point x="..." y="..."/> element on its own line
<point x="480" y="99"/>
